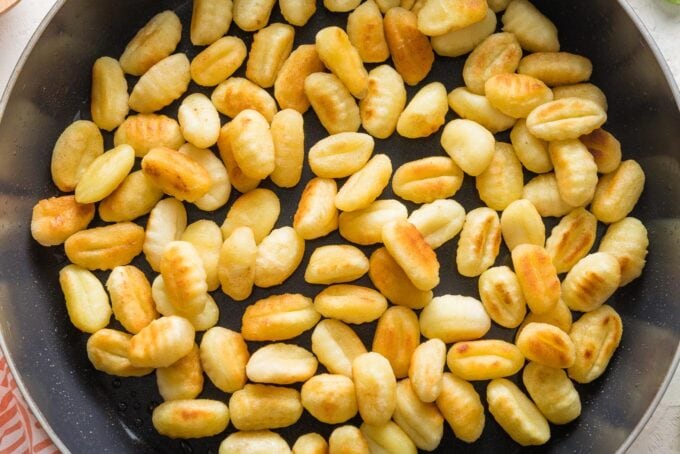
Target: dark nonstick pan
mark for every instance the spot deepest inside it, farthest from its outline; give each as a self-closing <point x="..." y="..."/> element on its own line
<point x="88" y="411"/>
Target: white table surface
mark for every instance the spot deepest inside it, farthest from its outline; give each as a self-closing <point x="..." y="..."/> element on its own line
<point x="662" y="433"/>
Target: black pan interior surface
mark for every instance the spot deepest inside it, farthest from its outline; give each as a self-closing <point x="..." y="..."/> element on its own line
<point x="93" y="412"/>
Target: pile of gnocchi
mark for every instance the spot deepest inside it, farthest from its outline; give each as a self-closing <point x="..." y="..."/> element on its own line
<point x="427" y="347"/>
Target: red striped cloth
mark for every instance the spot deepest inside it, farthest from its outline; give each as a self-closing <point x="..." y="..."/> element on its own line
<point x="20" y="432"/>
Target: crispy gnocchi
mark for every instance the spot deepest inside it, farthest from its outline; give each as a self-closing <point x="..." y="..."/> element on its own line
<point x="290" y="352"/>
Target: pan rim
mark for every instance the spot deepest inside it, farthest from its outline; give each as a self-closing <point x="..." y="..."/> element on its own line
<point x="35" y="409"/>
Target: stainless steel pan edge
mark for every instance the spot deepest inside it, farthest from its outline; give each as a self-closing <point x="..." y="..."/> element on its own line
<point x="17" y="374"/>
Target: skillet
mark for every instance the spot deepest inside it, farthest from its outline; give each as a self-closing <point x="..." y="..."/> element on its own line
<point x="87" y="411"/>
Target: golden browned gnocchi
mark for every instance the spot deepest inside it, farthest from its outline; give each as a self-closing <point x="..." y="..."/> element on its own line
<point x="376" y="387"/>
<point x="566" y="118"/>
<point x="571" y="239"/>
<point x="332" y="102"/>
<point x="135" y="196"/>
<point x="342" y="58"/>
<point x="199" y="120"/>
<point x="251" y="15"/>
<point x="166" y="223"/>
<point x="583" y="90"/>
<point x="427" y="369"/>
<point x="252" y="145"/>
<point x="478" y="108"/>
<point x="350" y="303"/>
<point x="310" y="443"/>
<point x="131" y="299"/>
<point x="391" y="280"/>
<point x="537" y="276"/>
<point x="237" y="94"/>
<point x="184" y="277"/>
<point x="627" y="241"/>
<point x="425" y="113"/>
<point x="396" y="337"/>
<point x="457" y="42"/>
<point x="543" y="193"/>
<point x="521" y="223"/>
<point x="347" y="439"/>
<point x="516" y="413"/>
<point x="279" y="317"/>
<point x="258" y="209"/>
<point x="278" y="256"/>
<point x="516" y="95"/>
<point x="107" y="350"/>
<point x="591" y="281"/>
<point x="210" y="20"/>
<point x="427" y="179"/>
<point x="104" y="174"/>
<point x="220" y="188"/>
<point x="384" y="102"/>
<point x="604" y="147"/>
<point x="596" y="335"/>
<point x="183" y="379"/>
<point x="330" y="398"/>
<point x="410" y="250"/>
<point x="257" y="407"/>
<point x="363" y="187"/>
<point x="335" y="263"/>
<point x="297" y="12"/>
<point x="499" y="53"/>
<point x="454" y="318"/>
<point x="556" y="68"/>
<point x="410" y="49"/>
<point x="534" y="31"/>
<point x="162" y="84"/>
<point x="176" y="174"/>
<point x="336" y="345"/>
<point x="479" y="242"/>
<point x="236" y="264"/>
<point x="438" y="221"/>
<point x="531" y="151"/>
<point x="366" y="33"/>
<point x="484" y="359"/>
<point x="152" y="43"/>
<point x="469" y="144"/>
<point x="255" y="441"/>
<point x="340" y="155"/>
<point x="546" y="344"/>
<point x="162" y="342"/>
<point x="75" y="149"/>
<point x="575" y="171"/>
<point x="146" y="131"/>
<point x="190" y="418"/>
<point x="388" y="437"/>
<point x="461" y="407"/>
<point x="618" y="192"/>
<point x="289" y="87"/>
<point x="55" y="219"/>
<point x="553" y="393"/>
<point x="316" y="214"/>
<point x="281" y="364"/>
<point x="109" y="105"/>
<point x="439" y="16"/>
<point x="224" y="355"/>
<point x="218" y="61"/>
<point x="271" y="47"/>
<point x="502" y="296"/>
<point x="502" y="181"/>
<point x="104" y="248"/>
<point x="287" y="129"/>
<point x="421" y="421"/>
